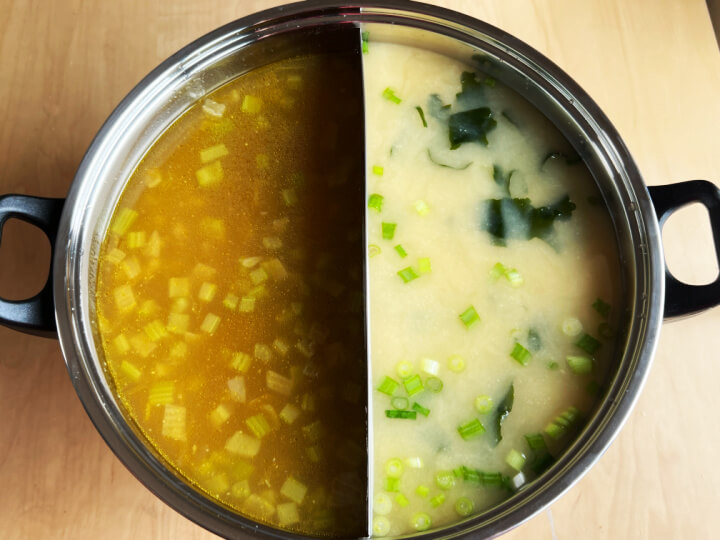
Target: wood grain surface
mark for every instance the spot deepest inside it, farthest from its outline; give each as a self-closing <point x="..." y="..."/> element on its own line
<point x="652" y="65"/>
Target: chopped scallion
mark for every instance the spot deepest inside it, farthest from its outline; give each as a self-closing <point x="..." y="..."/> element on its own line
<point x="413" y="385"/>
<point x="378" y="170"/>
<point x="392" y="485"/>
<point x="464" y="506"/>
<point x="422" y="491"/>
<point x="445" y="480"/>
<point x="588" y="343"/>
<point x="471" y="429"/>
<point x="394" y="468"/>
<point x="483" y="404"/>
<point x="401" y="251"/>
<point x="421" y="521"/>
<point x="469" y="317"/>
<point x="580" y="365"/>
<point x="365" y="38"/>
<point x="388" y="386"/>
<point x="375" y="201"/>
<point x="400" y="402"/>
<point x="602" y="307"/>
<point x="421" y="207"/>
<point x="402" y="500"/>
<point x="373" y="250"/>
<point x="404" y="368"/>
<point x="434" y="384"/>
<point x="515" y="459"/>
<point x="456" y="363"/>
<point x="419" y="408"/>
<point x="389" y="94"/>
<point x="388" y="230"/>
<point x="424" y="265"/>
<point x="521" y="354"/>
<point x="437" y="500"/>
<point x="409" y="415"/>
<point x="408" y="274"/>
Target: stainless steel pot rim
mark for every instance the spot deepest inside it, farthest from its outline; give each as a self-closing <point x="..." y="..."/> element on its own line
<point x="72" y="265"/>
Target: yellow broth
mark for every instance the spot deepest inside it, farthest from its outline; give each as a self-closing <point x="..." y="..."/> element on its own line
<point x="230" y="296"/>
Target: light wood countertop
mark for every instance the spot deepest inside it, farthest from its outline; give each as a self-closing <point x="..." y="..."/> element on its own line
<point x="652" y="65"/>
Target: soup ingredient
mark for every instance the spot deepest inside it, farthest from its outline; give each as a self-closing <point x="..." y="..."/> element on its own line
<point x="229" y="297"/>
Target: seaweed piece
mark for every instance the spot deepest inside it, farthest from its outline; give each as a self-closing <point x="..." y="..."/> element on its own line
<point x="518" y="218"/>
<point x="438" y="109"/>
<point x="470" y="126"/>
<point x="502" y="179"/>
<point x="447" y="165"/>
<point x="502" y="411"/>
<point x="472" y="93"/>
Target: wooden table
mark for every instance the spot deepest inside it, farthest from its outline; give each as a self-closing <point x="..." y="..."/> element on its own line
<point x="652" y="65"/>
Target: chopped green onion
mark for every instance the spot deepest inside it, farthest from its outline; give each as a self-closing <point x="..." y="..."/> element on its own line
<point x="400" y="402"/>
<point x="562" y="423"/>
<point x="421" y="521"/>
<point x="421" y="207"/>
<point x="424" y="265"/>
<point x="521" y="354"/>
<point x="388" y="230"/>
<point x="381" y="524"/>
<point x="404" y="368"/>
<point x="392" y="484"/>
<point x="419" y="408"/>
<point x="422" y="491"/>
<point x="434" y="384"/>
<point x="580" y="365"/>
<point x="373" y="249"/>
<point x="553" y="366"/>
<point x="571" y="326"/>
<point x="456" y="363"/>
<point x="588" y="343"/>
<point x="382" y="504"/>
<point x="430" y="366"/>
<point x="414" y="462"/>
<point x="471" y="429"/>
<point x="409" y="415"/>
<point x="602" y="307"/>
<point x="389" y="94"/>
<point x="492" y="479"/>
<point x="402" y="500"/>
<point x="469" y="317"/>
<point x="437" y="500"/>
<point x="378" y="170"/>
<point x="407" y="274"/>
<point x="445" y="480"/>
<point x="401" y="251"/>
<point x="413" y="385"/>
<point x="375" y="201"/>
<point x="394" y="468"/>
<point x="464" y="506"/>
<point x="483" y="404"/>
<point x="422" y="116"/>
<point x="536" y="441"/>
<point x="515" y="459"/>
<point x="388" y="386"/>
<point x="365" y="38"/>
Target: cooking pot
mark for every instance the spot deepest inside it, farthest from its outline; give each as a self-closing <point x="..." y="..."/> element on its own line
<point x="76" y="227"/>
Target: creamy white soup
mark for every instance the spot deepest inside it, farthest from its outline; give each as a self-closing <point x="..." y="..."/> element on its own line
<point x="493" y="282"/>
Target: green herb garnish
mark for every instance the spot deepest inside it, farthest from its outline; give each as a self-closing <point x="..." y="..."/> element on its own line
<point x="422" y="115"/>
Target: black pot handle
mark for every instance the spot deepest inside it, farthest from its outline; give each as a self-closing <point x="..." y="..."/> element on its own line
<point x="34" y="315"/>
<point x="681" y="298"/>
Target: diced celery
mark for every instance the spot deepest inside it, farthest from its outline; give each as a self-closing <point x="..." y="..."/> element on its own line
<point x="207" y="292"/>
<point x="278" y="383"/>
<point x="213" y="108"/>
<point x="218" y="484"/>
<point x="258" y="276"/>
<point x="287" y="514"/>
<point x="121" y="344"/>
<point x="262" y="352"/>
<point x="262" y="161"/>
<point x="142" y="345"/>
<point x="210" y="174"/>
<point x="130" y="370"/>
<point x="280" y="346"/>
<point x="161" y="393"/>
<point x="203" y="271"/>
<point x="178" y="287"/>
<point x="178" y="323"/>
<point x="153" y="177"/>
<point x="124" y="298"/>
<point x="240" y="489"/>
<point x="314" y="431"/>
<point x="173" y="424"/>
<point x="247" y="304"/>
<point x="123" y="220"/>
<point x="231" y="301"/>
<point x="219" y="415"/>
<point x="179" y="350"/>
<point x="147" y="308"/>
<point x="115" y="256"/>
<point x="250" y="262"/>
<point x="313" y="453"/>
<point x="289" y="413"/>
<point x="215" y="229"/>
<point x="153" y="246"/>
<point x="307" y="402"/>
<point x="131" y="267"/>
<point x="251" y="104"/>
<point x="180" y="305"/>
<point x="210" y="323"/>
<point x="241" y="362"/>
<point x="259" y="425"/>
<point x="258" y="507"/>
<point x="243" y="445"/>
<point x="213" y="152"/>
<point x="272" y="242"/>
<point x="155" y="330"/>
<point x="275" y="269"/>
<point x="135" y="239"/>
<point x="236" y="386"/>
<point x="293" y="490"/>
